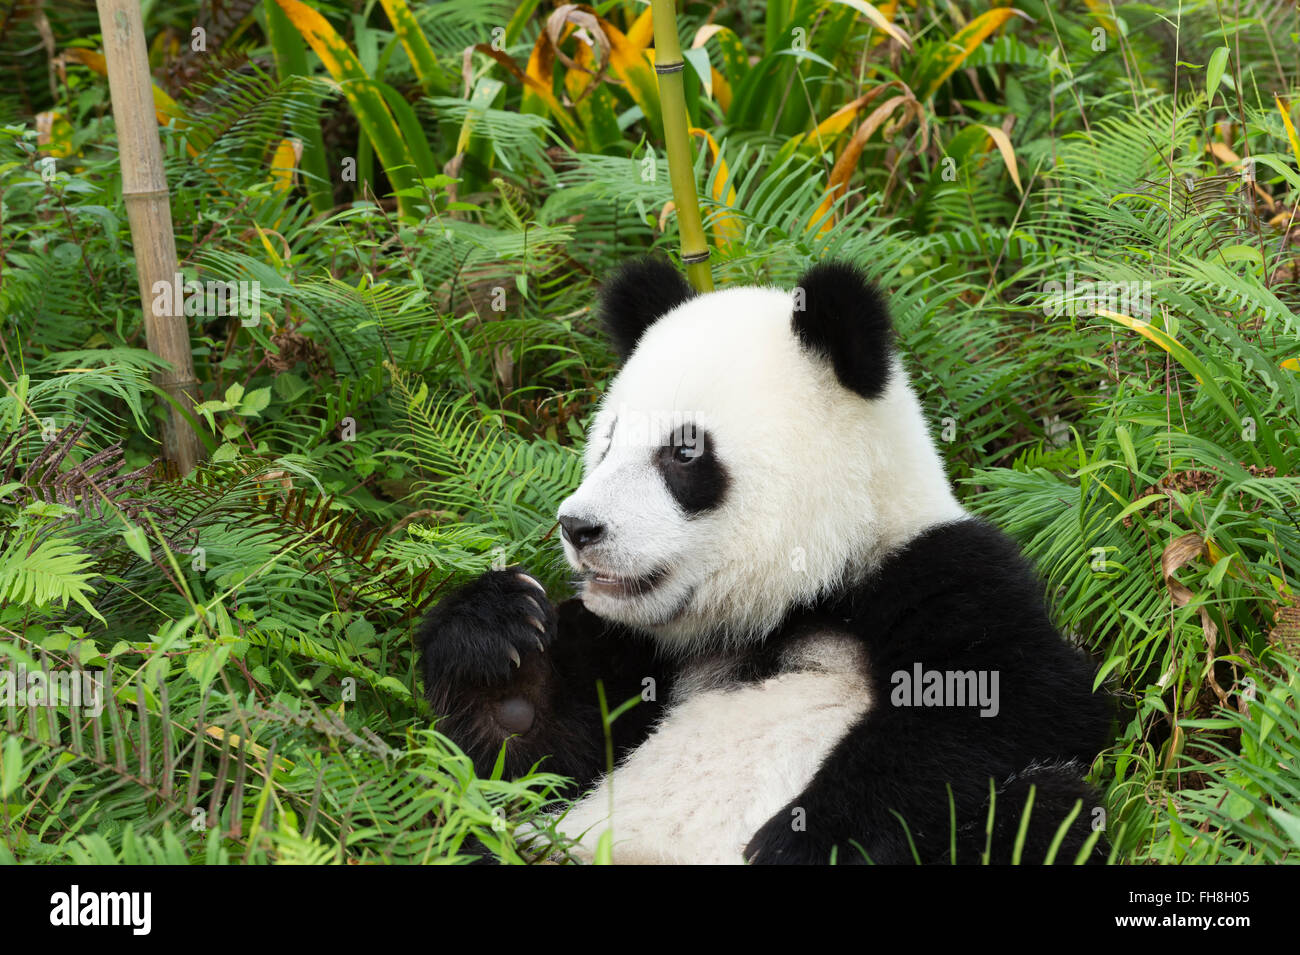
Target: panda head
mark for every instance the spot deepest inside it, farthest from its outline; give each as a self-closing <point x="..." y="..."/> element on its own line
<point x="758" y="449"/>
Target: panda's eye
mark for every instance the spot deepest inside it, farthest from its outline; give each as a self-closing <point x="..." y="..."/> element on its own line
<point x="690" y="463"/>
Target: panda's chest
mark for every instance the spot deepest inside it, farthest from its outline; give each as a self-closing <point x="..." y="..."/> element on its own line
<point x="725" y="758"/>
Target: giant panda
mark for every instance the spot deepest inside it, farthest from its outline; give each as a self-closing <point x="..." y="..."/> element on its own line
<point x="832" y="659"/>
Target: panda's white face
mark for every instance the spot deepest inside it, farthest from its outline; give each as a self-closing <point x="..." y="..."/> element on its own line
<point x="730" y="475"/>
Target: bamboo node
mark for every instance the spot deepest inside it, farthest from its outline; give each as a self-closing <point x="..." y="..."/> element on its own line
<point x="144" y="193"/>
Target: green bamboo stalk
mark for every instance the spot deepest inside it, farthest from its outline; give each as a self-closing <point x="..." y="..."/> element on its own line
<point x="677" y="142"/>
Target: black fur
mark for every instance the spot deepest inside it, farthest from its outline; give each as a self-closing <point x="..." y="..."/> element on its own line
<point x="638" y="294"/>
<point x="474" y="687"/>
<point x="959" y="597"/>
<point x="692" y="470"/>
<point x="844" y="319"/>
<point x="479" y="627"/>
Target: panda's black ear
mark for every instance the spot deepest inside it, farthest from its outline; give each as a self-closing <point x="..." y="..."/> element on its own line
<point x="841" y="316"/>
<point x="636" y="296"/>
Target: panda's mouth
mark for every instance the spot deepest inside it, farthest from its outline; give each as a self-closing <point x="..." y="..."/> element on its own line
<point x="614" y="585"/>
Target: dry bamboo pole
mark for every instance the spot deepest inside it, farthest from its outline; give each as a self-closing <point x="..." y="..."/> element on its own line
<point x="677" y="143"/>
<point x="148" y="206"/>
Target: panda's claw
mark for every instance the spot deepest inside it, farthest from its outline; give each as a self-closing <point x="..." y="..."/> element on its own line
<point x="528" y="580"/>
<point x="485" y="632"/>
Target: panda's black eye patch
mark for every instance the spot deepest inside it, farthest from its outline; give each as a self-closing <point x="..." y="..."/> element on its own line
<point x="691" y="468"/>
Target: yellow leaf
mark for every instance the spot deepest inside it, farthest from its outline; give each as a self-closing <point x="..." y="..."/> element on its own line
<point x="627" y="58"/>
<point x="721" y="85"/>
<point x="323" y="39"/>
<point x="282" y="763"/>
<point x="363" y="96"/>
<point x="418" y="51"/>
<point x="1224" y="154"/>
<point x="705" y="33"/>
<point x="630" y="63"/>
<point x="284" y="164"/>
<point x="276" y="260"/>
<point x="726" y="226"/>
<point x="825" y="132"/>
<point x="968" y="38"/>
<point x="642" y="31"/>
<point x="721" y="89"/>
<point x="217" y="733"/>
<point x="879" y="20"/>
<point x="1003" y="143"/>
<point x="53" y="133"/>
<point x="539" y="66"/>
<point x="1101" y="10"/>
<point x="1285" y="110"/>
<point x="165" y="108"/>
<point x="848" y="160"/>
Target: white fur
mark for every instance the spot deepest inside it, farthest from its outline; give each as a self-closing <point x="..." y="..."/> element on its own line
<point x="824" y="483"/>
<point x="725" y="759"/>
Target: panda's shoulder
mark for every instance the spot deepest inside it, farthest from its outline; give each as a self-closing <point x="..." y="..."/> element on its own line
<point x="965" y="569"/>
<point x="967" y="549"/>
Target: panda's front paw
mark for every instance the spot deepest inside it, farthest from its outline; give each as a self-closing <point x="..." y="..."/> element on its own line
<point x="483" y="633"/>
<point x="785" y="840"/>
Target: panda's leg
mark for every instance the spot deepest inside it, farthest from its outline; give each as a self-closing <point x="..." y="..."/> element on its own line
<point x="884" y="791"/>
<point x="876" y="767"/>
<point x="502" y="665"/>
<point x="1056" y="789"/>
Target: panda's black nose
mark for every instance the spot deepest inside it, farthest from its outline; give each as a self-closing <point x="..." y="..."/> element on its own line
<point x="580" y="533"/>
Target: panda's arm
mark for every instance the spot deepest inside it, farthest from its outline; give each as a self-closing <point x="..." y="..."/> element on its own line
<point x="963" y="600"/>
<point x="502" y="665"/>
